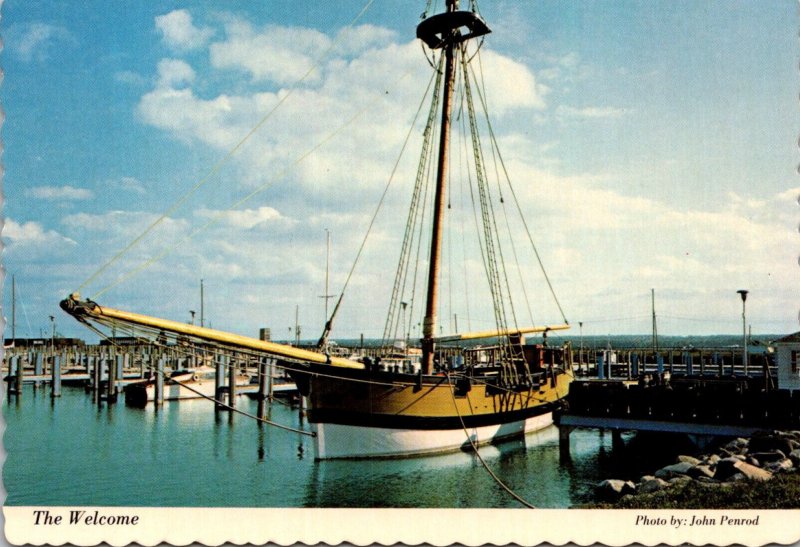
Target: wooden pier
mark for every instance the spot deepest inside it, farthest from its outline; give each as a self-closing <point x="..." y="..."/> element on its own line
<point x="105" y="371"/>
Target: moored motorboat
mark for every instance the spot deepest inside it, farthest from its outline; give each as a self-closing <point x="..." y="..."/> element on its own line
<point x="181" y="384"/>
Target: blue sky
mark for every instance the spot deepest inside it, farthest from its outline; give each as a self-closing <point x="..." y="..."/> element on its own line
<point x="652" y="143"/>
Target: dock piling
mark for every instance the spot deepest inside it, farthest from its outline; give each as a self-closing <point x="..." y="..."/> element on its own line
<point x="38" y="367"/>
<point x="159" y="394"/>
<point x="20" y="374"/>
<point x="263" y="372"/>
<point x="232" y="383"/>
<point x="111" y="387"/>
<point x="218" y="379"/>
<point x="96" y="375"/>
<point x="56" y="377"/>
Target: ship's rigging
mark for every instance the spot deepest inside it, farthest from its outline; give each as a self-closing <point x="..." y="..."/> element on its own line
<point x="399" y="409"/>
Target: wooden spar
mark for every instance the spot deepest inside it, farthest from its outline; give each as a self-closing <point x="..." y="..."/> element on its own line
<point x="495" y="333"/>
<point x="84" y="310"/>
<point x="429" y="323"/>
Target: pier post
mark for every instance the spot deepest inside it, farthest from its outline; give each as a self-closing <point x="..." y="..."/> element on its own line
<point x="144" y="363"/>
<point x="158" y="399"/>
<point x="263" y="371"/>
<point x="38" y="367"/>
<point x="617" y="443"/>
<point x="270" y="376"/>
<point x="20" y="373"/>
<point x="120" y="370"/>
<point x="218" y="379"/>
<point x="563" y="443"/>
<point x="96" y="375"/>
<point x="56" y="377"/>
<point x="635" y="364"/>
<point x="659" y="364"/>
<point x="232" y="383"/>
<point x="601" y="367"/>
<point x="111" y="381"/>
<point x="687" y="358"/>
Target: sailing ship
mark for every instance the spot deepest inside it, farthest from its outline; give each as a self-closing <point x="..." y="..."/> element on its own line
<point x="443" y="395"/>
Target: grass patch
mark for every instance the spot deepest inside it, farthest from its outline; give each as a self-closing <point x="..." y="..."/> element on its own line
<point x="782" y="492"/>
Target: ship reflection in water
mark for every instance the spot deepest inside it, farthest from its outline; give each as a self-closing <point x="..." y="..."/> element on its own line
<point x="186" y="454"/>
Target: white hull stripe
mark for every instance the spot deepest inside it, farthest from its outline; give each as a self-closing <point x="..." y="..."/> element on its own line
<point x="347" y="441"/>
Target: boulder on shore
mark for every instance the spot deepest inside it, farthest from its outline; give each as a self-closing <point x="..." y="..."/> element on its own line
<point x="674" y="470"/>
<point x="615" y="488"/>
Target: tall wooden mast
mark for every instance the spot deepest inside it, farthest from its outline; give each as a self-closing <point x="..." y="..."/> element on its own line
<point x="443" y="31"/>
<point x="429" y="323"/>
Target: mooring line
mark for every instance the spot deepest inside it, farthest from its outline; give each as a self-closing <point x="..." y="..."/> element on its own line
<point x="212" y="399"/>
<point x="503" y="485"/>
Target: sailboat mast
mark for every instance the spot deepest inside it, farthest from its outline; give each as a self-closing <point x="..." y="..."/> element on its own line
<point x="429" y="323"/>
<point x="13" y="309"/>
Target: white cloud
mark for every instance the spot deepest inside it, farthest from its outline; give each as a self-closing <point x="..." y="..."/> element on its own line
<point x="276" y="54"/>
<point x="59" y="193"/>
<point x="596" y="112"/>
<point x="502" y="75"/>
<point x="32" y="233"/>
<point x="245" y="218"/>
<point x="129" y="77"/>
<point x="130" y="184"/>
<point x="174" y="73"/>
<point x="35" y="41"/>
<point x="179" y="32"/>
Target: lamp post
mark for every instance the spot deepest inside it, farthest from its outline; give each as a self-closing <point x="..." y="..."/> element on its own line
<point x="192" y="312"/>
<point x="53" y="337"/>
<point x="743" y="294"/>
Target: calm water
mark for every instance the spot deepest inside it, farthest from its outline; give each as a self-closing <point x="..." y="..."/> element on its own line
<point x="70" y="452"/>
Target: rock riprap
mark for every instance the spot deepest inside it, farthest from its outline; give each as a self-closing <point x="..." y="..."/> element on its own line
<point x="758" y="458"/>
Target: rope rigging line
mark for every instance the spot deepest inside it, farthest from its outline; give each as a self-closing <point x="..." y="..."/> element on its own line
<point x="496" y="273"/>
<point x="493" y="138"/>
<point x="224" y="160"/>
<point x="497" y="479"/>
<point x="481" y="81"/>
<point x="377" y="211"/>
<point x="413" y="212"/>
<point x="215" y="218"/>
<point x="204" y="396"/>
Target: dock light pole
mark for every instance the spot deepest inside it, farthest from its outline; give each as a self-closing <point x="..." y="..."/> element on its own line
<point x="192" y="312"/>
<point x="743" y="294"/>
<point x="53" y="337"/>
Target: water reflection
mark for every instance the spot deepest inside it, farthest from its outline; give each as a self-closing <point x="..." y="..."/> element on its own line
<point x="187" y="454"/>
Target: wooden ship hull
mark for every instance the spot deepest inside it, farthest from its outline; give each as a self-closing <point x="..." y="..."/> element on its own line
<point x="362" y="414"/>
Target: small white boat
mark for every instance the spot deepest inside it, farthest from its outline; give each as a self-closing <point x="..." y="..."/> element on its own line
<point x="181" y="384"/>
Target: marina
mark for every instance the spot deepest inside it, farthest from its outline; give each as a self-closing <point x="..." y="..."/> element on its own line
<point x="504" y="188"/>
<point x="187" y="454"/>
<point x="271" y="467"/>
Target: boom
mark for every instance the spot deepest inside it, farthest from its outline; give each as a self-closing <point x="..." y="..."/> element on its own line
<point x="87" y="310"/>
